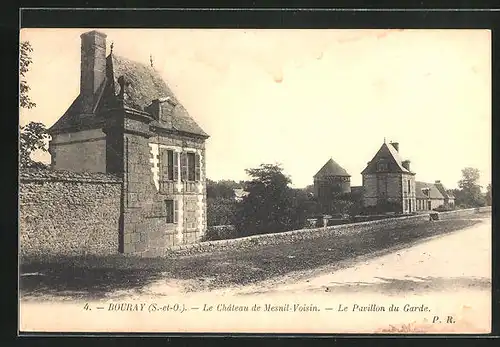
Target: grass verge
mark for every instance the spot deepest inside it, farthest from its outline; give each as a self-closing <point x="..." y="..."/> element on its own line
<point x="95" y="277"/>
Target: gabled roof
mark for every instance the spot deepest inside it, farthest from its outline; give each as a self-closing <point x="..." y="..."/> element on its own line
<point x="434" y="193"/>
<point x="391" y="156"/>
<point x="144" y="85"/>
<point x="147" y="85"/>
<point x="446" y="193"/>
<point x="240" y="193"/>
<point x="331" y="168"/>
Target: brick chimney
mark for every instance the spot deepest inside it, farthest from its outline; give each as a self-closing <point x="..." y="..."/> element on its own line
<point x="395" y="145"/>
<point x="93" y="67"/>
<point x="406" y="164"/>
<point x="437" y="182"/>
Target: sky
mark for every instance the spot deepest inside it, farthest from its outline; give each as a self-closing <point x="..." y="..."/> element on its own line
<point x="301" y="97"/>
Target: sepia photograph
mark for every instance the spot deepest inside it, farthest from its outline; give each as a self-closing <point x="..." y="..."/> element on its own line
<point x="255" y="181"/>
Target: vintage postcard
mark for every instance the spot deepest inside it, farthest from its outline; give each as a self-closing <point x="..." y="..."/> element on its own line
<point x="255" y="181"/>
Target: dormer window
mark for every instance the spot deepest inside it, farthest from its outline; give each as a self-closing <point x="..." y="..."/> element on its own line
<point x="425" y="191"/>
<point x="382" y="165"/>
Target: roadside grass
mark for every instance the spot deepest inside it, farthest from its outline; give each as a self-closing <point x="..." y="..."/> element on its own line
<point x="96" y="276"/>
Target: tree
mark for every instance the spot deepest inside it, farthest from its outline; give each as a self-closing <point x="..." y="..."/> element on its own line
<point x="25" y="61"/>
<point x="221" y="189"/>
<point x="303" y="206"/>
<point x="268" y="207"/>
<point x="488" y="196"/>
<point x="220" y="211"/>
<point x="469" y="194"/>
<point x="32" y="136"/>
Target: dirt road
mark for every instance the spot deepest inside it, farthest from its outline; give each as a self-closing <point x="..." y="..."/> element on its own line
<point x="440" y="285"/>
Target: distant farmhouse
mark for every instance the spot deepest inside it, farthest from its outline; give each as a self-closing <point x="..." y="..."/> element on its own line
<point x="127" y="122"/>
<point x="387" y="180"/>
<point x="239" y="194"/>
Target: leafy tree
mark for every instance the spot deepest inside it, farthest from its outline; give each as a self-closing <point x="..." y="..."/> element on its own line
<point x="220" y="211"/>
<point x="469" y="194"/>
<point x="221" y="189"/>
<point x="24" y="62"/>
<point x="303" y="206"/>
<point x="309" y="189"/>
<point x="488" y="196"/>
<point x="268" y="207"/>
<point x="32" y="137"/>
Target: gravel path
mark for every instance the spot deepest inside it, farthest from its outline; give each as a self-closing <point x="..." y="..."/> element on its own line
<point x="449" y="274"/>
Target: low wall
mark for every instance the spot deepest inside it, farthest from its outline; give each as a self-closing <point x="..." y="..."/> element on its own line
<point x="67" y="213"/>
<point x="463" y="213"/>
<point x="295" y="235"/>
<point x="304" y="234"/>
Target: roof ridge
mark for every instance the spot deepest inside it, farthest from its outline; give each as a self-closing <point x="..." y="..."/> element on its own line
<point x="332" y="168"/>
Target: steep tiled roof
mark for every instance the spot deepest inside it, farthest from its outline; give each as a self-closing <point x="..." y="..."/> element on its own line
<point x="182" y="121"/>
<point x="434" y="193"/>
<point x="391" y="155"/>
<point x="446" y="193"/>
<point x="144" y="85"/>
<point x="331" y="168"/>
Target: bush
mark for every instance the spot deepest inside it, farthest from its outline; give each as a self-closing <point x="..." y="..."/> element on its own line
<point x="443" y="208"/>
<point x="220" y="232"/>
<point x="220" y="211"/>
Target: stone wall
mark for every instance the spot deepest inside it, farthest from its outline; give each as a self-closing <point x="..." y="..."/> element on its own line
<point x="463" y="213"/>
<point x="68" y="213"/>
<point x="146" y="231"/>
<point x="393" y="187"/>
<point x="296" y="235"/>
<point x="304" y="234"/>
<point x="79" y="151"/>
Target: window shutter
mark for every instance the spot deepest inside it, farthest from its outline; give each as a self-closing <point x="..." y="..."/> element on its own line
<point x="164" y="165"/>
<point x="197" y="171"/>
<point x="176" y="211"/>
<point x="184" y="167"/>
<point x="176" y="166"/>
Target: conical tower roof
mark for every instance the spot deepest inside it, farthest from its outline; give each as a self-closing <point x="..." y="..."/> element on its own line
<point x="331" y="168"/>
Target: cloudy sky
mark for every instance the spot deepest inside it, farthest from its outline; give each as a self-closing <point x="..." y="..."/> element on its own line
<point x="300" y="97"/>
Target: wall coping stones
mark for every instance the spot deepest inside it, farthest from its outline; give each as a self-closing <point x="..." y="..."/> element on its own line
<point x="40" y="175"/>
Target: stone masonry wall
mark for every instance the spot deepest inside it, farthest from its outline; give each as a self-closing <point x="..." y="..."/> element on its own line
<point x="146" y="231"/>
<point x="304" y="234"/>
<point x="79" y="151"/>
<point x="463" y="213"/>
<point x="68" y="213"/>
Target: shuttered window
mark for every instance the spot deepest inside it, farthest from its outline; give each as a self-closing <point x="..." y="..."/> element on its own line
<point x="169" y="206"/>
<point x="167" y="163"/>
<point x="197" y="169"/>
<point x="184" y="167"/>
<point x="191" y="166"/>
<point x="176" y="166"/>
<point x="176" y="211"/>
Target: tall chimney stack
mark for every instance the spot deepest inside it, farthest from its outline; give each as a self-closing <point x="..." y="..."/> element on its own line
<point x="395" y="145"/>
<point x="93" y="67"/>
